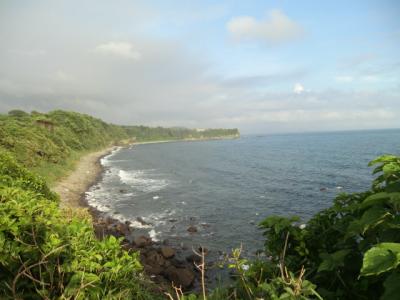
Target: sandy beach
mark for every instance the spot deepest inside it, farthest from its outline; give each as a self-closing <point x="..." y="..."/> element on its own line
<point x="72" y="188"/>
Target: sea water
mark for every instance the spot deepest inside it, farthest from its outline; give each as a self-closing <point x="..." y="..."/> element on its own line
<point x="225" y="188"/>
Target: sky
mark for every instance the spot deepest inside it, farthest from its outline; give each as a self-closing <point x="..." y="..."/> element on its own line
<point x="260" y="66"/>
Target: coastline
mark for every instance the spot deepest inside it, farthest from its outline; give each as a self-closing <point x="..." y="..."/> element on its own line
<point x="88" y="169"/>
<point x="162" y="263"/>
<point x="72" y="188"/>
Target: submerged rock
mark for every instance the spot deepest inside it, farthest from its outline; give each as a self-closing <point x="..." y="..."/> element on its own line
<point x="192" y="229"/>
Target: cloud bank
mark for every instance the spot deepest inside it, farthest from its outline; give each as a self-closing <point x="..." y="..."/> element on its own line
<point x="276" y="28"/>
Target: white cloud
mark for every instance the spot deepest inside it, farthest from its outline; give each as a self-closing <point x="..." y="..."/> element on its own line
<point x="121" y="49"/>
<point x="298" y="88"/>
<point x="344" y="78"/>
<point x="275" y="29"/>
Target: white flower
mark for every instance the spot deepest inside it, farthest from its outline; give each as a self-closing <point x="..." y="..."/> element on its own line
<point x="245" y="267"/>
<point x="302" y="226"/>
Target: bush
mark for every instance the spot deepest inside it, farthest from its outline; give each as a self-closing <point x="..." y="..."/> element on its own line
<point x="45" y="253"/>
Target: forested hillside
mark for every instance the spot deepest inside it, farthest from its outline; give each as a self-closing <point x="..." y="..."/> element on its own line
<point x="49" y="143"/>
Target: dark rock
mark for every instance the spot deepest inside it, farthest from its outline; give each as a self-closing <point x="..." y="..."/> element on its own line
<point x="180" y="276"/>
<point x="167" y="264"/>
<point x="167" y="252"/>
<point x="122" y="191"/>
<point x="177" y="262"/>
<point x="153" y="258"/>
<point x="109" y="221"/>
<point x="153" y="270"/>
<point x="123" y="229"/>
<point x="172" y="220"/>
<point x="192" y="229"/>
<point x="193" y="258"/>
<point x="142" y="241"/>
<point x="323" y="189"/>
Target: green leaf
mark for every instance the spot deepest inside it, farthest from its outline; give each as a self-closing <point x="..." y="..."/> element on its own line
<point x="381" y="258"/>
<point x="374" y="199"/>
<point x="370" y="219"/>
<point x="392" y="287"/>
<point x="333" y="260"/>
<point x="393" y="187"/>
<point x="391" y="168"/>
<point x="383" y="159"/>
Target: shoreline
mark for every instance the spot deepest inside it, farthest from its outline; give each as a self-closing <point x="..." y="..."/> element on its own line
<point x="73" y="187"/>
<point x="88" y="171"/>
<point x="162" y="263"/>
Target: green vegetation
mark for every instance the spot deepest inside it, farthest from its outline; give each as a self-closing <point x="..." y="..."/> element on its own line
<point x="143" y="133"/>
<point x="47" y="253"/>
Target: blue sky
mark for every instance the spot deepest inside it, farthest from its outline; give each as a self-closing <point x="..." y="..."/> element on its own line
<point x="261" y="66"/>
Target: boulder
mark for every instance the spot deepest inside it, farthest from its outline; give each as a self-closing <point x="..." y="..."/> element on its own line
<point x="142" y="241"/>
<point x="153" y="270"/>
<point x="180" y="276"/>
<point x="122" y="228"/>
<point x="167" y="252"/>
<point x="178" y="262"/>
<point x="153" y="258"/>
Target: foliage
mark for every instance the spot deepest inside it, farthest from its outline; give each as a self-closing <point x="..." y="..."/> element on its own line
<point x="18" y="113"/>
<point x="350" y="250"/>
<point x="143" y="133"/>
<point x="45" y="253"/>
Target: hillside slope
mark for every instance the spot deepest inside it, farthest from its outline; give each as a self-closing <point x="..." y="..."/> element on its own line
<point x="50" y="143"/>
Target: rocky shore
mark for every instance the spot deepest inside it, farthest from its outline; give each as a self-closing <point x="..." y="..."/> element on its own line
<point x="163" y="263"/>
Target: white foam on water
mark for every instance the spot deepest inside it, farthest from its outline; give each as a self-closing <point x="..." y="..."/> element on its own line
<point x="153" y="235"/>
<point x="137" y="224"/>
<point x="105" y="161"/>
<point x="138" y="179"/>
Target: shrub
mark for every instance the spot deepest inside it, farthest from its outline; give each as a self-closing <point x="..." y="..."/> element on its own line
<point x="46" y="254"/>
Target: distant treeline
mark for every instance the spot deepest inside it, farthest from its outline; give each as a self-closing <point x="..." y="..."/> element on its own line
<point x="36" y="139"/>
<point x="144" y="133"/>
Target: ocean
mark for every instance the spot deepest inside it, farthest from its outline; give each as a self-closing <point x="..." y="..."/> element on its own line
<point x="225" y="188"/>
